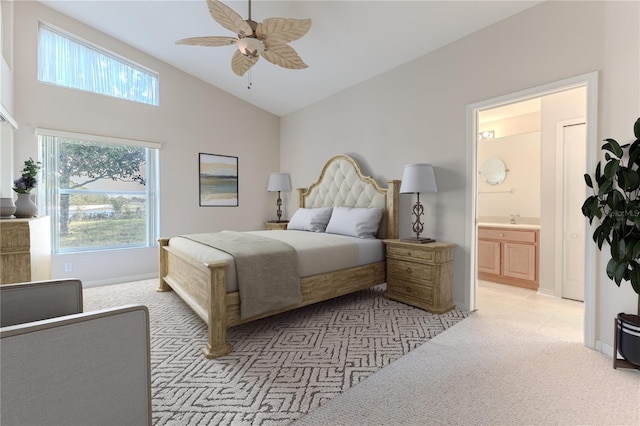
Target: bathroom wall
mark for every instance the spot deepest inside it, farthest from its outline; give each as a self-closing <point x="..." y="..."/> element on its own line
<point x="517" y="143"/>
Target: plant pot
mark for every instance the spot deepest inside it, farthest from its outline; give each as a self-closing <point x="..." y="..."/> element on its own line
<point x="628" y="334"/>
<point x="25" y="207"/>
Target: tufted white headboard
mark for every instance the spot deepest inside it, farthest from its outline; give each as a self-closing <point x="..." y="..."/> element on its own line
<point x="341" y="183"/>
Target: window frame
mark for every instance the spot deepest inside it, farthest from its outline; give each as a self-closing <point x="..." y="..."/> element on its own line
<point x="49" y="192"/>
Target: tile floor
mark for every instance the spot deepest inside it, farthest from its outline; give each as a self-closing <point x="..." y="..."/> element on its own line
<point x="554" y="316"/>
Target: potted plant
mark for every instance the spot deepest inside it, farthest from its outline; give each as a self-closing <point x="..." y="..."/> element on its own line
<point x="616" y="203"/>
<point x="25" y="207"/>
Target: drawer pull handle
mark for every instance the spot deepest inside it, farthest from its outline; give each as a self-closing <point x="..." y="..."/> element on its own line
<point x="409" y="270"/>
<point x="502" y="235"/>
<point x="408" y="253"/>
<point x="408" y="289"/>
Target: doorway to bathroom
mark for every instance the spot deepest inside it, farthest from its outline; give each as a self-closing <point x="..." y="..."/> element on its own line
<point x="544" y="137"/>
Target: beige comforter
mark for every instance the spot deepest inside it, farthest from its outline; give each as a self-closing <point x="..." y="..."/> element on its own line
<point x="267" y="270"/>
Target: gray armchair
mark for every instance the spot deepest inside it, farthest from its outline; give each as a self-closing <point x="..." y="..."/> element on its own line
<point x="62" y="366"/>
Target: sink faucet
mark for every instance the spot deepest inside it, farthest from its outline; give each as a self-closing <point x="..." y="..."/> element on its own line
<point x="512" y="220"/>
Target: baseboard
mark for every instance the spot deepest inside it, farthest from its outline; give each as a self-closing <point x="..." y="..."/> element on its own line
<point x="604" y="348"/>
<point x="119" y="280"/>
<point x="546" y="291"/>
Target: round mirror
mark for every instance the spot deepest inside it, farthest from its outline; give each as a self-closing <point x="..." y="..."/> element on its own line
<point x="493" y="171"/>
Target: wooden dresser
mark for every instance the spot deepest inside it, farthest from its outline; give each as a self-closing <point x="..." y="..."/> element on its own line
<point x="509" y="256"/>
<point x="25" y="250"/>
<point x="420" y="275"/>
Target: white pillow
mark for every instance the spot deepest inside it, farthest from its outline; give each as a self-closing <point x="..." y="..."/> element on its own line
<point x="314" y="220"/>
<point x="355" y="222"/>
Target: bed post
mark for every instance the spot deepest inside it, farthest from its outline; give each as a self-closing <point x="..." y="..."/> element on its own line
<point x="392" y="208"/>
<point x="301" y="192"/>
<point x="217" y="345"/>
<point x="162" y="285"/>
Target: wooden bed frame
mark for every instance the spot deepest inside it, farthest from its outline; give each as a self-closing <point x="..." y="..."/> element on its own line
<point x="204" y="286"/>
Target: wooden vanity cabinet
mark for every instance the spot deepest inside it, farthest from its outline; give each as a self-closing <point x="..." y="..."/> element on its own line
<point x="509" y="256"/>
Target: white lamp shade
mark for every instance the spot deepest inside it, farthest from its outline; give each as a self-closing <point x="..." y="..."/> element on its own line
<point x="279" y="182"/>
<point x="248" y="45"/>
<point x="418" y="178"/>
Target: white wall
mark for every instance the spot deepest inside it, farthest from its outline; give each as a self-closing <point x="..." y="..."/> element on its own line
<point x="193" y="117"/>
<point x="6" y="55"/>
<point x="519" y="194"/>
<point x="6" y="98"/>
<point x="417" y="112"/>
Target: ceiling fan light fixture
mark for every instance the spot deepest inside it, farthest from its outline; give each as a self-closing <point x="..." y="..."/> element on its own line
<point x="250" y="46"/>
<point x="268" y="38"/>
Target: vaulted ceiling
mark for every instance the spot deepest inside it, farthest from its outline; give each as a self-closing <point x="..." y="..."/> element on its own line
<point x="349" y="41"/>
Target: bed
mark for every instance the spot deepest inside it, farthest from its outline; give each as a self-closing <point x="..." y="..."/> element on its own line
<point x="204" y="284"/>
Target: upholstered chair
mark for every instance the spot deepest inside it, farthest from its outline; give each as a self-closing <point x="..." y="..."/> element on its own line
<point x="60" y="365"/>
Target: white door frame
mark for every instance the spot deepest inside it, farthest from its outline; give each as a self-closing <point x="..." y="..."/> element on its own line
<point x="590" y="82"/>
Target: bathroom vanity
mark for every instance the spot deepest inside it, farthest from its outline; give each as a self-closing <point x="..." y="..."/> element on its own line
<point x="509" y="254"/>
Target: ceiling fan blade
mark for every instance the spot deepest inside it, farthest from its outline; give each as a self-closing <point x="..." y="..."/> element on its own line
<point x="240" y="63"/>
<point x="211" y="41"/>
<point x="285" y="56"/>
<point x="228" y="18"/>
<point x="282" y="30"/>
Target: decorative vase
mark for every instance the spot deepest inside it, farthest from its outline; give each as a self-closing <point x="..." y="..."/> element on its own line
<point x="7" y="207"/>
<point x="25" y="207"/>
<point x="629" y="337"/>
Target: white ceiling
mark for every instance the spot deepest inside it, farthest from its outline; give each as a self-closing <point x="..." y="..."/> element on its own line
<point x="349" y="41"/>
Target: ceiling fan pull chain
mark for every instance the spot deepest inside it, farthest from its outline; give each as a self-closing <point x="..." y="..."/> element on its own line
<point x="249" y="82"/>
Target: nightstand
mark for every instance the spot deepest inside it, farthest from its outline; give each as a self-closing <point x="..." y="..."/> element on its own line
<point x="273" y="225"/>
<point x="420" y="275"/>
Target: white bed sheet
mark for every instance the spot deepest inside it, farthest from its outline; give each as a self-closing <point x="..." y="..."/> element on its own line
<point x="322" y="255"/>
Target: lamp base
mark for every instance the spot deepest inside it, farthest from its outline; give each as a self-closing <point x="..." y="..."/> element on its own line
<point x="417" y="240"/>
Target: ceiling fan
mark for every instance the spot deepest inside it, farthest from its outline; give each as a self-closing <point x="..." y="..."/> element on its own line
<point x="268" y="38"/>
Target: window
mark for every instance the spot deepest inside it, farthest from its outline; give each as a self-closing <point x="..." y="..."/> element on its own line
<point x="68" y="61"/>
<point x="99" y="192"/>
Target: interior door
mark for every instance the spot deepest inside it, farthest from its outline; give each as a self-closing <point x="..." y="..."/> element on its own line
<point x="573" y="238"/>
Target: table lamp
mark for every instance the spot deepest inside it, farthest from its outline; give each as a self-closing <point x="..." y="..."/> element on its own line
<point x="279" y="182"/>
<point x="418" y="178"/>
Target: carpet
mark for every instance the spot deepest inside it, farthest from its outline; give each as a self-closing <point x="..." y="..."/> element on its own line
<point x="282" y="367"/>
<point x="486" y="371"/>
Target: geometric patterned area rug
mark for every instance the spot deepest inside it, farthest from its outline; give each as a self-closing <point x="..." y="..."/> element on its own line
<point x="281" y="367"/>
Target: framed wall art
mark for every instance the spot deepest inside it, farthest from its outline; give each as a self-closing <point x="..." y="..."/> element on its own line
<point x="218" y="180"/>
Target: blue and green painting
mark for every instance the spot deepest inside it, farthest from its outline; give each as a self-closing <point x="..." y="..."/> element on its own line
<point x="218" y="180"/>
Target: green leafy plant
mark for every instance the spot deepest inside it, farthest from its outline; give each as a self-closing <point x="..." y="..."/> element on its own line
<point x="616" y="203"/>
<point x="25" y="183"/>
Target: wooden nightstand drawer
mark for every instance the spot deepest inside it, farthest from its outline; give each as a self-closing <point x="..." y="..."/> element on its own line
<point x="400" y="287"/>
<point x="410" y="253"/>
<point x="410" y="270"/>
<point x="272" y="226"/>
